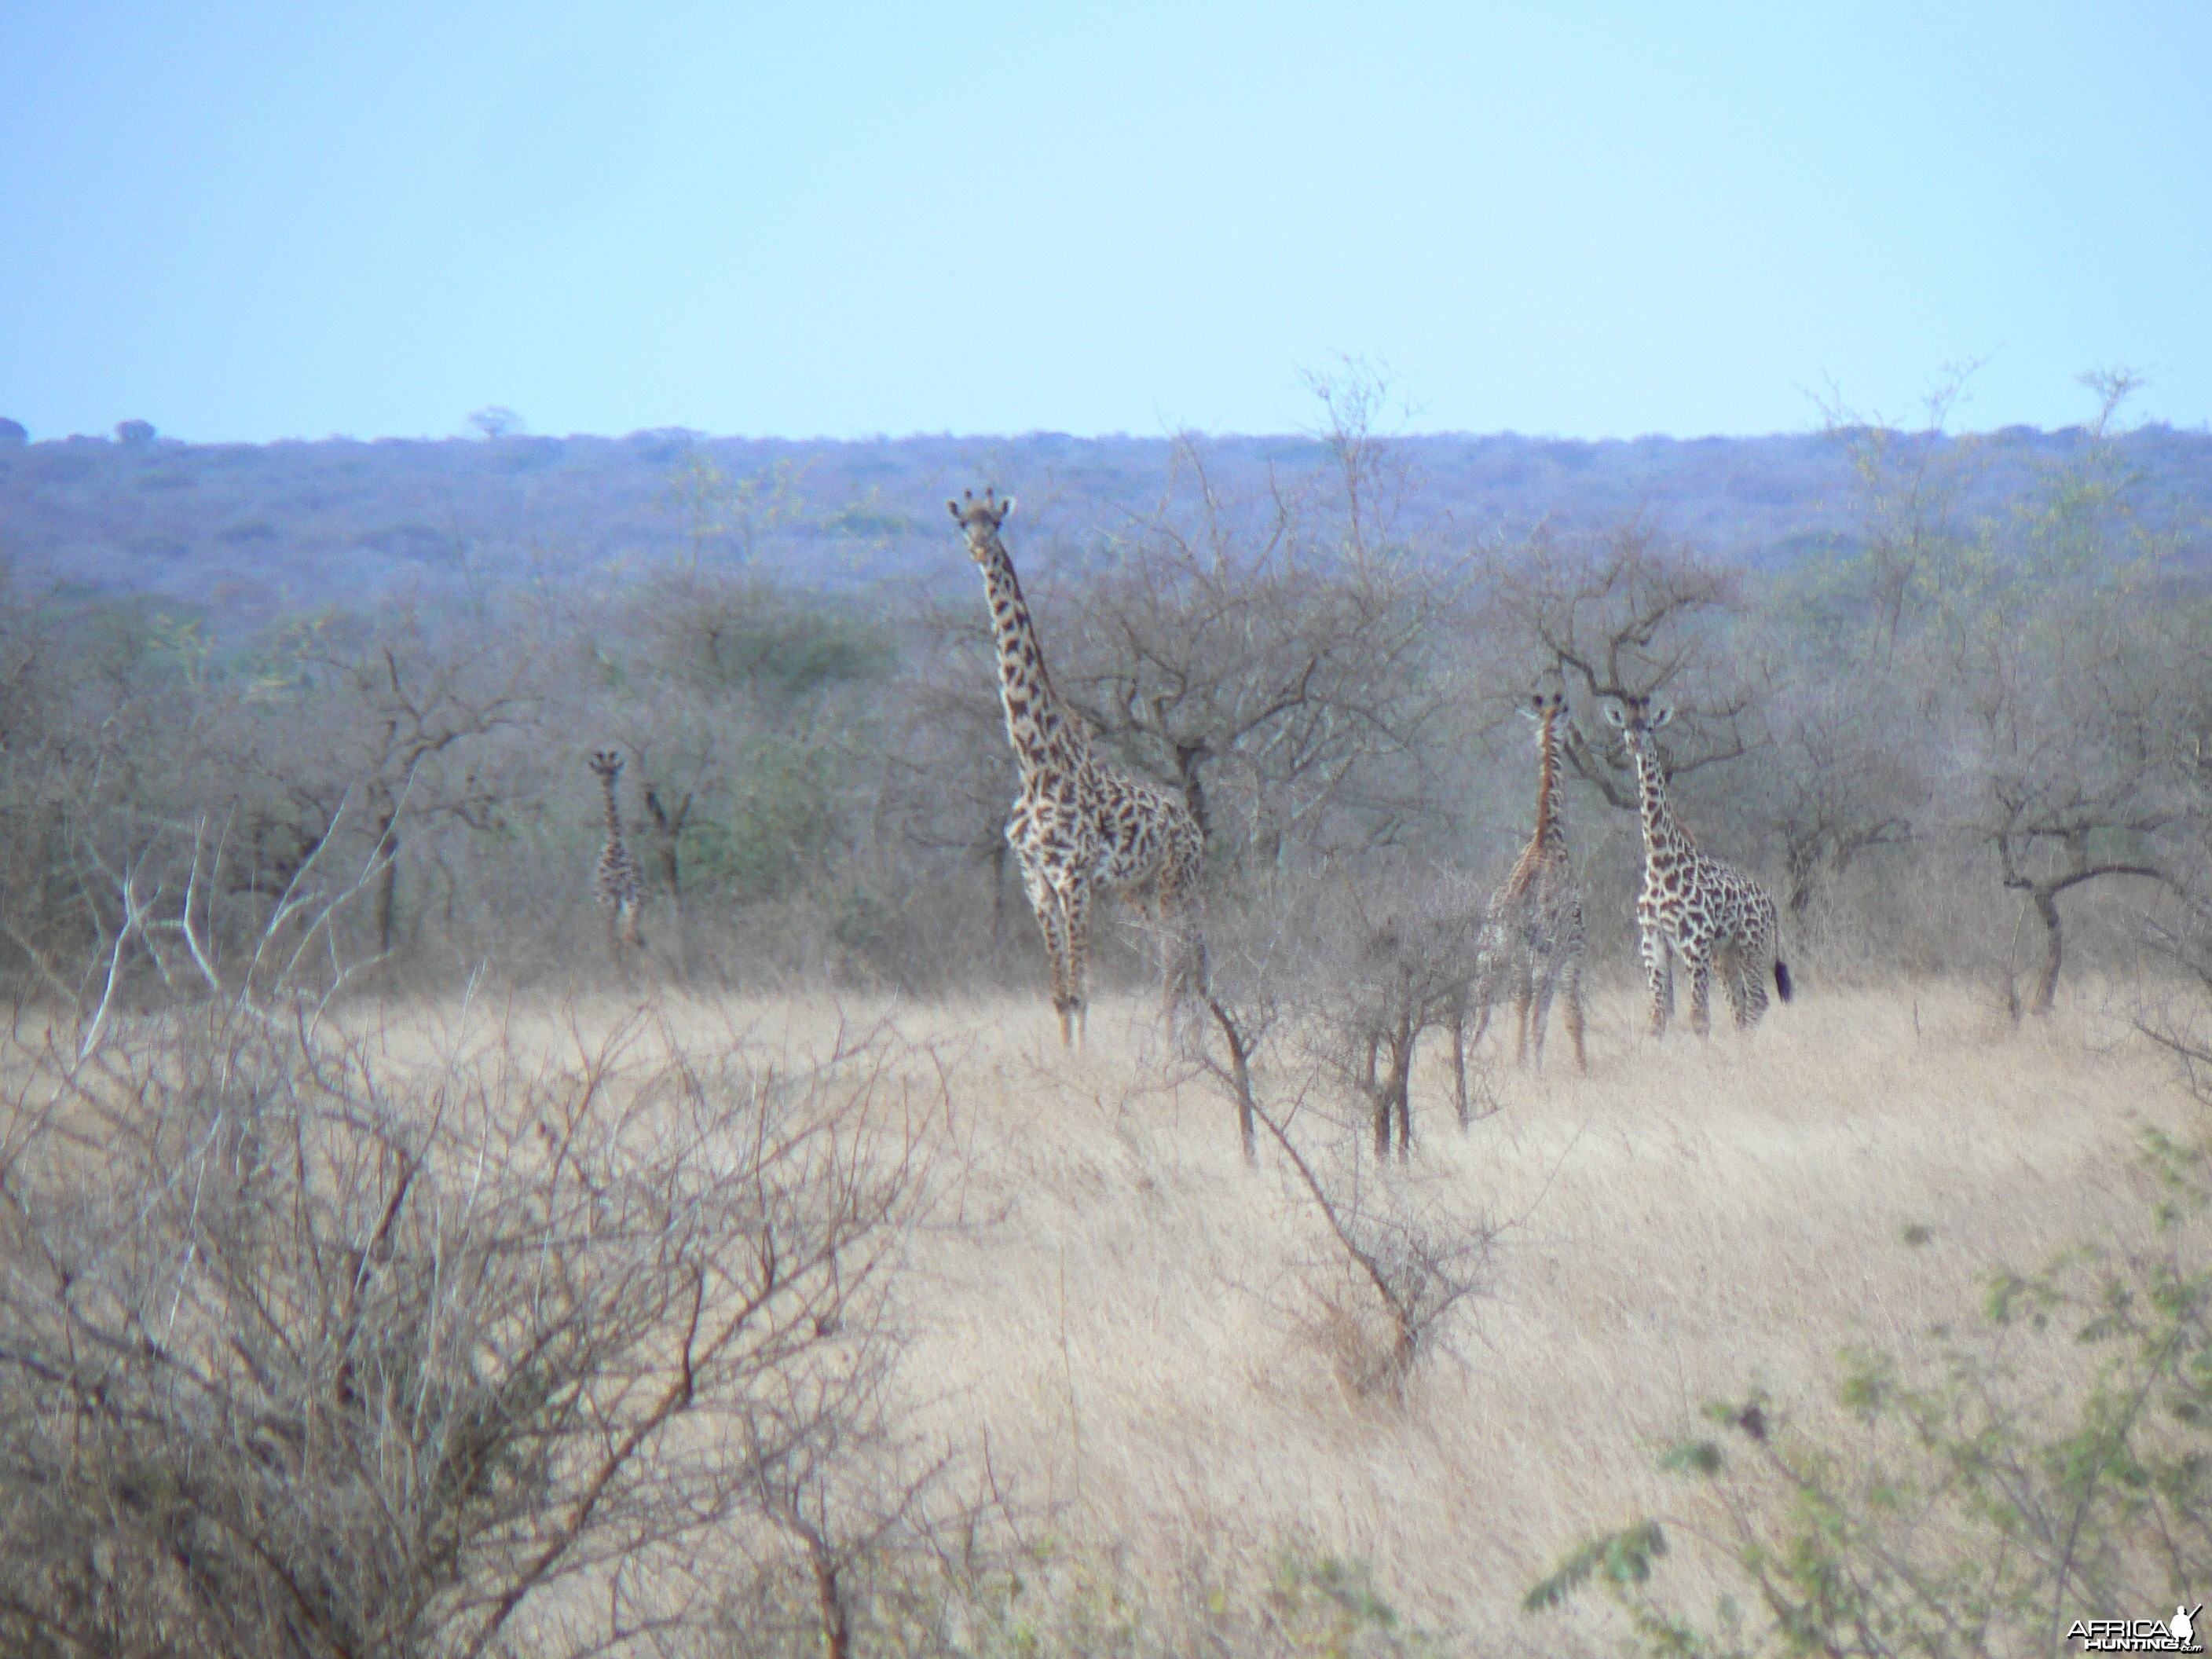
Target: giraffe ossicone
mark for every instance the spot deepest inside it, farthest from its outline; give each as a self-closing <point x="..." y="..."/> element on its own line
<point x="1079" y="829"/>
<point x="1693" y="906"/>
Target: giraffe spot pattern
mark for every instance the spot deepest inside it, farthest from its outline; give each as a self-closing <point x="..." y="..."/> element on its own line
<point x="1079" y="829"/>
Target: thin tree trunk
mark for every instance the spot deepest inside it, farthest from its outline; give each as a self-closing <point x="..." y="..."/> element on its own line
<point x="2054" y="950"/>
<point x="1241" y="1073"/>
<point x="670" y="827"/>
<point x="1803" y="867"/>
<point x="836" y="1627"/>
<point x="387" y="886"/>
<point x="1459" y="1061"/>
<point x="1240" y="1076"/>
<point x="1193" y="789"/>
<point x="1392" y="1095"/>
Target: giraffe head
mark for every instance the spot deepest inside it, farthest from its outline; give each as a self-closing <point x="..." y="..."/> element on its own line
<point x="1545" y="711"/>
<point x="607" y="762"/>
<point x="979" y="521"/>
<point x="1637" y="719"/>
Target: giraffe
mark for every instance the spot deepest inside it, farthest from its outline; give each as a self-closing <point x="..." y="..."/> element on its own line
<point x="1078" y="828"/>
<point x="1536" y="938"/>
<point x="1691" y="906"/>
<point x="615" y="880"/>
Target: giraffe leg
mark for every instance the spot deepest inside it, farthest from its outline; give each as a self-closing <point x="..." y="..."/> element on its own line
<point x="1571" y="976"/>
<point x="1485" y="989"/>
<point x="1172" y="951"/>
<point x="1054" y="922"/>
<point x="1747" y="990"/>
<point x="1183" y="971"/>
<point x="1754" y="1008"/>
<point x="1541" y="1010"/>
<point x="1659" y="972"/>
<point x="1701" y="990"/>
<point x="1727" y="975"/>
<point x="1760" y="952"/>
<point x="1075" y="899"/>
<point x="1044" y="902"/>
<point x="1523" y="989"/>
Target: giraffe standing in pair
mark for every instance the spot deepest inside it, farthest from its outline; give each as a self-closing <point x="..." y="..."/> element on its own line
<point x="616" y="882"/>
<point x="1536" y="938"/>
<point x="1078" y="828"/>
<point x="1693" y="906"/>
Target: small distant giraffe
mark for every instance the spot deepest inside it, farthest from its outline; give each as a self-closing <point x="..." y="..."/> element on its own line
<point x="1535" y="939"/>
<point x="615" y="880"/>
<point x="1691" y="906"/>
<point x="1077" y="827"/>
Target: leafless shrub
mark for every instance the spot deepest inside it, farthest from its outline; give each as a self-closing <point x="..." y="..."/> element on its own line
<point x="308" y="1349"/>
<point x="1405" y="1259"/>
<point x="1350" y="981"/>
<point x="1411" y="968"/>
<point x="1300" y="1026"/>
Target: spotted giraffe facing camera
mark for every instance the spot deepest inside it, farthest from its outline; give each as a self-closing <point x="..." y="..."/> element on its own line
<point x="1077" y="827"/>
<point x="1536" y="938"/>
<point x="616" y="882"/>
<point x="1693" y="906"/>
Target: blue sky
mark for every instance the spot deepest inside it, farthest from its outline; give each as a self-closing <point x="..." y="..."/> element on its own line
<point x="254" y="223"/>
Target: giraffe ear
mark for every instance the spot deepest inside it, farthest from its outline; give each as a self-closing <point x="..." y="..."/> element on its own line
<point x="1661" y="716"/>
<point x="1006" y="509"/>
<point x="1613" y="716"/>
<point x="953" y="508"/>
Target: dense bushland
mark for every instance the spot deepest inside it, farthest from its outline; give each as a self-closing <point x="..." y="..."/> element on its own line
<point x="1967" y="747"/>
<point x="251" y="531"/>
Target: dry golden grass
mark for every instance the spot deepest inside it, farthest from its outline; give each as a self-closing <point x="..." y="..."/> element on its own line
<point x="1136" y="1321"/>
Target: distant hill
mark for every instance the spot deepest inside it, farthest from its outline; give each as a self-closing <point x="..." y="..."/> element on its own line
<point x="257" y="529"/>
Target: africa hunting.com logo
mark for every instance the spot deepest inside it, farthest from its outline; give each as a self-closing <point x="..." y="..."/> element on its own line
<point x="2177" y="1635"/>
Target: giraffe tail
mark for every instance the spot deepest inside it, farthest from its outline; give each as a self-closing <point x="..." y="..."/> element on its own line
<point x="1782" y="984"/>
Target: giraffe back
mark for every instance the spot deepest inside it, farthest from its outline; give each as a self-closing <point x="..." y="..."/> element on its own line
<point x="1141" y="832"/>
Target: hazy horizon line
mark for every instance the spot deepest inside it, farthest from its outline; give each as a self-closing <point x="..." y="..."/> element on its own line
<point x="2203" y="429"/>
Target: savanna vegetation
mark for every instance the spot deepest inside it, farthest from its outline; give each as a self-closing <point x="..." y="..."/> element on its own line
<point x="391" y="1261"/>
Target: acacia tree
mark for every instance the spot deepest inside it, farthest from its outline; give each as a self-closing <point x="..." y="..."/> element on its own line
<point x="1275" y="651"/>
<point x="947" y="778"/>
<point x="2072" y="701"/>
<point x="1846" y="709"/>
<point x="2074" y="760"/>
<point x="399" y="716"/>
<point x="1911" y="487"/>
<point x="1628" y="614"/>
<point x="1843" y="773"/>
<point x="733" y="697"/>
<point x="719" y="512"/>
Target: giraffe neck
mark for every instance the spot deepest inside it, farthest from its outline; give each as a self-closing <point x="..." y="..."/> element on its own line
<point x="1548" y="832"/>
<point x="1664" y="839"/>
<point x="1549" y="842"/>
<point x="614" y="811"/>
<point x="1045" y="735"/>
